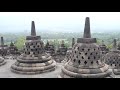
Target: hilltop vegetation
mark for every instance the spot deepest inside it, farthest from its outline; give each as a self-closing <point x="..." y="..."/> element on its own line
<point x="56" y="38"/>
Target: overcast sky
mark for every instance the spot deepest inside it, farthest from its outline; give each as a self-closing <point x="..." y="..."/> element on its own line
<point x="59" y="21"/>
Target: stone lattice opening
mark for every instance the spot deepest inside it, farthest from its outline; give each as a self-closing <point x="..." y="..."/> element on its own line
<point x="90" y="53"/>
<point x="74" y="60"/>
<point x="76" y="56"/>
<point x="82" y="57"/>
<point x="88" y="57"/>
<point x="79" y="62"/>
<point x="91" y="62"/>
<point x="28" y="52"/>
<point x="75" y="52"/>
<point x="85" y="62"/>
<point x="97" y="62"/>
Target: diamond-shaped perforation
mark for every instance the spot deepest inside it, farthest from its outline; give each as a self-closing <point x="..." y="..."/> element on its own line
<point x="85" y="62"/>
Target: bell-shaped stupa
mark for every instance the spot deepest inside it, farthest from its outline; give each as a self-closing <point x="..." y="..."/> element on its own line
<point x="85" y="60"/>
<point x="49" y="48"/>
<point x="13" y="50"/>
<point x="113" y="58"/>
<point x="104" y="48"/>
<point x="60" y="53"/>
<point x="69" y="51"/>
<point x="34" y="60"/>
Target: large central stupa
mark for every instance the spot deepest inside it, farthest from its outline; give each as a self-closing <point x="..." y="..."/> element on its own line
<point x="34" y="60"/>
<point x="85" y="61"/>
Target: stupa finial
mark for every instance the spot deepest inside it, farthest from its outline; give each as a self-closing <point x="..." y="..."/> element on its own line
<point x="114" y="44"/>
<point x="73" y="41"/>
<point x="33" y="31"/>
<point x="62" y="43"/>
<point x="2" y="41"/>
<point x="87" y="33"/>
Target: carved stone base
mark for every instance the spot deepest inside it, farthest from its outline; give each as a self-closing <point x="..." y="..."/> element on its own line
<point x="2" y="62"/>
<point x="116" y="71"/>
<point x="33" y="68"/>
<point x="72" y="72"/>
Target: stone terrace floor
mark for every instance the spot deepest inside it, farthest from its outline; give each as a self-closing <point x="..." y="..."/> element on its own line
<point x="5" y="72"/>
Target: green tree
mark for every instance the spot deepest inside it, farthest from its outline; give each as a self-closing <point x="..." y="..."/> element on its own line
<point x="20" y="42"/>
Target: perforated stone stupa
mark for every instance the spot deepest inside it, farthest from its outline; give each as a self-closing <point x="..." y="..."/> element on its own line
<point x="85" y="61"/>
<point x="113" y="58"/>
<point x="34" y="60"/>
<point x="61" y="52"/>
<point x="69" y="51"/>
<point x="3" y="48"/>
<point x="118" y="46"/>
<point x="13" y="49"/>
<point x="49" y="48"/>
<point x="104" y="48"/>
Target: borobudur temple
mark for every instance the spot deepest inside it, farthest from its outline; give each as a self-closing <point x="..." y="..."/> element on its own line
<point x="85" y="60"/>
<point x="34" y="60"/>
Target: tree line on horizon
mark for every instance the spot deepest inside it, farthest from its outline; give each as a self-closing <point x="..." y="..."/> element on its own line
<point x="56" y="38"/>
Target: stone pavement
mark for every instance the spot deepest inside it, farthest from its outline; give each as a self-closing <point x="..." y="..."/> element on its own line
<point x="5" y="72"/>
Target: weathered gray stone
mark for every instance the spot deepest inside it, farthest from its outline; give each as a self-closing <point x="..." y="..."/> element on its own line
<point x="3" y="48"/>
<point x="12" y="49"/>
<point x="61" y="52"/>
<point x="112" y="58"/>
<point x="49" y="48"/>
<point x="85" y="60"/>
<point x="34" y="60"/>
